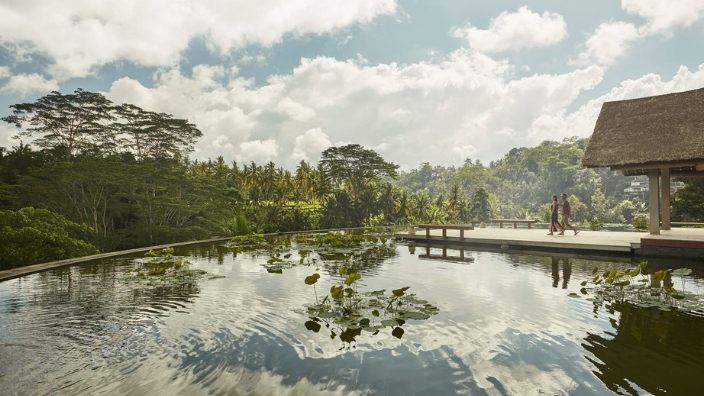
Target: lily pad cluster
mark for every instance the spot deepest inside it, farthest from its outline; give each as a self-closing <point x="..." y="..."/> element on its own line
<point x="347" y="312"/>
<point x="278" y="262"/>
<point x="352" y="250"/>
<point x="356" y="250"/>
<point x="162" y="268"/>
<point x="642" y="289"/>
<point x="248" y="243"/>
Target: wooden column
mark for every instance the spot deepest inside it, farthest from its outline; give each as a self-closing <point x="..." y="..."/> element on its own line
<point x="665" y="198"/>
<point x="653" y="202"/>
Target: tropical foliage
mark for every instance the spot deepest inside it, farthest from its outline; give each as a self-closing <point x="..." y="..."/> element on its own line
<point x="32" y="236"/>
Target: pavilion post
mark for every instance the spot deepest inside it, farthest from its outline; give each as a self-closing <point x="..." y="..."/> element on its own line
<point x="665" y="198"/>
<point x="653" y="201"/>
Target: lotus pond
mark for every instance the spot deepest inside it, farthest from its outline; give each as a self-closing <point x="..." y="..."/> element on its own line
<point x="353" y="314"/>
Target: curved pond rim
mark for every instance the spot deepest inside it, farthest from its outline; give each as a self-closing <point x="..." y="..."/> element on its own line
<point x="17" y="272"/>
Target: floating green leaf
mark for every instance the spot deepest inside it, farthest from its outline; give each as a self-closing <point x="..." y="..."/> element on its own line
<point x="313" y="326"/>
<point x="312" y="279"/>
<point x="273" y="260"/>
<point x="389" y="322"/>
<point x="349" y="334"/>
<point x="352" y="277"/>
<point x="634" y="271"/>
<point x="400" y="292"/>
<point x="682" y="271"/>
<point x="337" y="292"/>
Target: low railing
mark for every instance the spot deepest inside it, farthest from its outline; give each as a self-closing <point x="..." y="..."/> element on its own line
<point x="445" y="227"/>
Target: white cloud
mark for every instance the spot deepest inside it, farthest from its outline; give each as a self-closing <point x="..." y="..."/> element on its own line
<point x="310" y="144"/>
<point x="79" y="35"/>
<point x="25" y="84"/>
<point x="581" y="122"/>
<point x="260" y="151"/>
<point x="412" y="113"/>
<point x="7" y="132"/>
<point x="511" y="31"/>
<point x="609" y="41"/>
<point x="4" y="72"/>
<point x="219" y="111"/>
<point x="664" y="15"/>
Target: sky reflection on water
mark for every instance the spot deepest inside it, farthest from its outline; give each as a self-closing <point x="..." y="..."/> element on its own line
<point x="506" y="326"/>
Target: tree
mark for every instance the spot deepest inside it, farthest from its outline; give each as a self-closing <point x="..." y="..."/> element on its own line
<point x="355" y="165"/>
<point x="31" y="236"/>
<point x="688" y="202"/>
<point x="340" y="211"/>
<point x="87" y="122"/>
<point x="481" y="208"/>
<point x="598" y="209"/>
<point x="68" y="121"/>
<point x="598" y="205"/>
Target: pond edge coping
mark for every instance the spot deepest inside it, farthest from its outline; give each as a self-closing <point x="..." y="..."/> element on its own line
<point x="17" y="272"/>
<point x="34" y="268"/>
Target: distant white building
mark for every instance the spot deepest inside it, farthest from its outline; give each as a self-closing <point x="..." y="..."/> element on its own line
<point x="639" y="187"/>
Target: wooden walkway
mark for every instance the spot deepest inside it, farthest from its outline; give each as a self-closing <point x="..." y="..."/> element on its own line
<point x="685" y="243"/>
<point x="612" y="242"/>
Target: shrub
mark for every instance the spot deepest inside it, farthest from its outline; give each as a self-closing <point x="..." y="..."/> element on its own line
<point x="238" y="225"/>
<point x="640" y="222"/>
<point x="31" y="236"/>
<point x="595" y="224"/>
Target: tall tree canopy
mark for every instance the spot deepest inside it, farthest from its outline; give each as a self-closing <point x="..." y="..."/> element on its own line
<point x="355" y="164"/>
<point x="70" y="121"/>
<point x="85" y="121"/>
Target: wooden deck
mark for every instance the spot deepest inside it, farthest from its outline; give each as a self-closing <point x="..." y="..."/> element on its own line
<point x="679" y="242"/>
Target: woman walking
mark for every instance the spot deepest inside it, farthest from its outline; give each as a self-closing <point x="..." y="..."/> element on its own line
<point x="554" y="223"/>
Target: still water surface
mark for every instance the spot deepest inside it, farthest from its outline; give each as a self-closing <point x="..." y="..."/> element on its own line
<point x="506" y="326"/>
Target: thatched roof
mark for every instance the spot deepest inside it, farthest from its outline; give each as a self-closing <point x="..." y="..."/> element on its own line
<point x="646" y="131"/>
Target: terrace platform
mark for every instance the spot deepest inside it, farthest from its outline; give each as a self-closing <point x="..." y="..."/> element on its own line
<point x="676" y="243"/>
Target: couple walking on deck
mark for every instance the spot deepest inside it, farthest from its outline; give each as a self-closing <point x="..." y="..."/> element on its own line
<point x="560" y="206"/>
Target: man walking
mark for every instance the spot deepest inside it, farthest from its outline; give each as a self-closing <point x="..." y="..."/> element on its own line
<point x="566" y="213"/>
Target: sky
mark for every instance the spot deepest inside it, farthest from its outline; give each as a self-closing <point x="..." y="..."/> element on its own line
<point x="437" y="81"/>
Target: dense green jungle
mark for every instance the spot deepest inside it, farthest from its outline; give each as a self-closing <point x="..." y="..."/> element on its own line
<point x="89" y="175"/>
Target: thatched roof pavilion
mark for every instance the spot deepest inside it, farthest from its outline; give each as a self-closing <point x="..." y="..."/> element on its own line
<point x="658" y="136"/>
